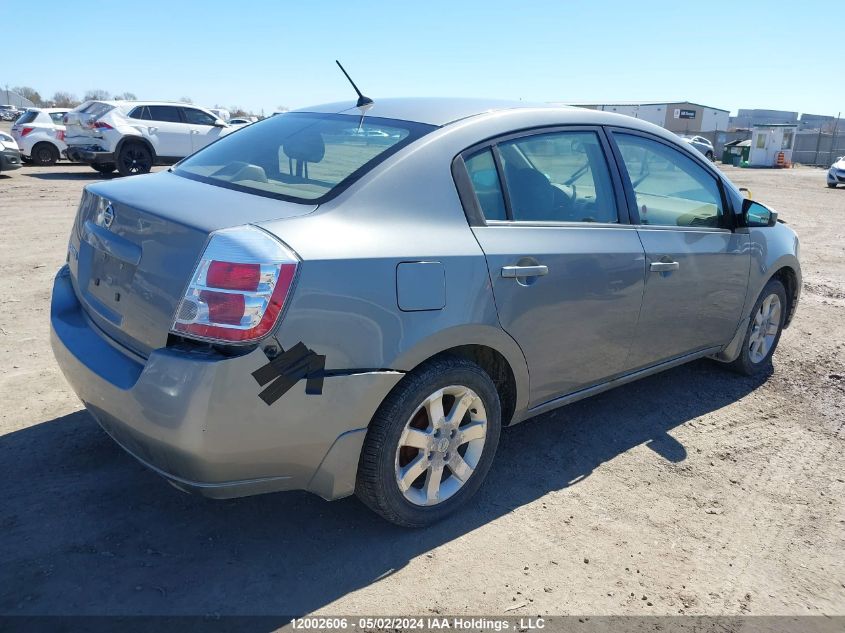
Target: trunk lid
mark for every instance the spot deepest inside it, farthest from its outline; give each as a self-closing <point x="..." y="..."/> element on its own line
<point x="129" y="271"/>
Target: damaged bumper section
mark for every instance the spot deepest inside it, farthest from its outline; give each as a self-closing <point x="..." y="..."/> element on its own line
<point x="183" y="413"/>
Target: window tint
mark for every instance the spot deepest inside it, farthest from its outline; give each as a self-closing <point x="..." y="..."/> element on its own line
<point x="57" y="117"/>
<point x="27" y="117"/>
<point x="167" y="114"/>
<point x="558" y="177"/>
<point x="300" y="155"/>
<point x="671" y="188"/>
<point x="141" y="112"/>
<point x="198" y="117"/>
<point x="485" y="183"/>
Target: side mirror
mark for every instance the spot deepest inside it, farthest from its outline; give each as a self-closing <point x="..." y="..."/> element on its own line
<point x="755" y="214"/>
<point x="220" y="123"/>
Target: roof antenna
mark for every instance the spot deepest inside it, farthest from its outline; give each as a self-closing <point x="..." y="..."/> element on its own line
<point x="362" y="100"/>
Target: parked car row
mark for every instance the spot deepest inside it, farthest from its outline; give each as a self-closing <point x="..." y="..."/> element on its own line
<point x="129" y="136"/>
<point x="9" y="112"/>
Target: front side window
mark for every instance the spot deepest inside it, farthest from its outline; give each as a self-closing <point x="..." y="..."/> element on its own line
<point x="558" y="177"/>
<point x="671" y="189"/>
<point x="301" y="156"/>
<point x="198" y="117"/>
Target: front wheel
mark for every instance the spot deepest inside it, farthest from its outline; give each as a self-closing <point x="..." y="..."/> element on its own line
<point x="764" y="330"/>
<point x="832" y="185"/>
<point x="709" y="156"/>
<point x="134" y="159"/>
<point x="431" y="443"/>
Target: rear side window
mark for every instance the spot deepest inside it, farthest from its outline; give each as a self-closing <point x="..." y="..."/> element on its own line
<point x="57" y="117"/>
<point x="300" y="156"/>
<point x="485" y="183"/>
<point x="167" y="114"/>
<point x="27" y="117"/>
<point x="671" y="189"/>
<point x="141" y="112"/>
<point x="558" y="177"/>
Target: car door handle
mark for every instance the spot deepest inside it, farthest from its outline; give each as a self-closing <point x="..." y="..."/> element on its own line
<point x="524" y="271"/>
<point x="662" y="267"/>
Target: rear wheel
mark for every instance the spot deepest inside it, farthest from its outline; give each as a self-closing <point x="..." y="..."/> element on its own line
<point x="764" y="330"/>
<point x="104" y="168"/>
<point x="431" y="443"/>
<point x="45" y="154"/>
<point x="134" y="159"/>
<point x="832" y="185"/>
<point x="709" y="155"/>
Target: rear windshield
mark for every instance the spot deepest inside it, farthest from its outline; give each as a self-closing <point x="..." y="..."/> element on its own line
<point x="27" y="117"/>
<point x="300" y="156"/>
<point x="95" y="108"/>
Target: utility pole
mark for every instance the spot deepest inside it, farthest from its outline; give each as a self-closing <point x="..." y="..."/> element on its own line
<point x="833" y="139"/>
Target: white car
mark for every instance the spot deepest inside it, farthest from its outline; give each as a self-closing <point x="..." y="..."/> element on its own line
<point x="10" y="156"/>
<point x="240" y="121"/>
<point x="132" y="136"/>
<point x="836" y="173"/>
<point x="702" y="145"/>
<point x="40" y="134"/>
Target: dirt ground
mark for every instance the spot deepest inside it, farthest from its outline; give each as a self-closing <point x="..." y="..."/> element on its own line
<point x="695" y="491"/>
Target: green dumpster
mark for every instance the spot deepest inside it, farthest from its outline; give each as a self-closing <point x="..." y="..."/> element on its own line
<point x="736" y="152"/>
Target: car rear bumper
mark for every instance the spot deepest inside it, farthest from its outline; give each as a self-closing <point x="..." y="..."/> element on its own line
<point x="88" y="155"/>
<point x="10" y="159"/>
<point x="196" y="418"/>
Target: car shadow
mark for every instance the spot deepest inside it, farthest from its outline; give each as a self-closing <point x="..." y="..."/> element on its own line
<point x="90" y="174"/>
<point x="87" y="530"/>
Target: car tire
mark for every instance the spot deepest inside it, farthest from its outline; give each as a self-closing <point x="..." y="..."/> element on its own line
<point x="405" y="418"/>
<point x="764" y="330"/>
<point x="44" y="154"/>
<point x="134" y="159"/>
<point x="832" y="185"/>
<point x="104" y="168"/>
<point x="709" y="156"/>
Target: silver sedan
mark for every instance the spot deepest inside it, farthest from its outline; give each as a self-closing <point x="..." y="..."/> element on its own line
<point x="352" y="299"/>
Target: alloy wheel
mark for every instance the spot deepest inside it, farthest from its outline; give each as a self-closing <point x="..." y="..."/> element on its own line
<point x="764" y="329"/>
<point x="441" y="445"/>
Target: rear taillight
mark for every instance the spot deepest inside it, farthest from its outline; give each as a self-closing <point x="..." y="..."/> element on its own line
<point x="239" y="288"/>
<point x="26" y="131"/>
<point x="60" y="135"/>
<point x="101" y="125"/>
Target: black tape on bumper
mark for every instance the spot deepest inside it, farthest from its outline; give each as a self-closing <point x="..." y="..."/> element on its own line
<point x="287" y="369"/>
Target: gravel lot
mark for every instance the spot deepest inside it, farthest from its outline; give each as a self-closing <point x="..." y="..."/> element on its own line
<point x="695" y="491"/>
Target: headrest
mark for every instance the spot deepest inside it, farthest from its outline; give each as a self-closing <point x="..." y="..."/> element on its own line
<point x="306" y="145"/>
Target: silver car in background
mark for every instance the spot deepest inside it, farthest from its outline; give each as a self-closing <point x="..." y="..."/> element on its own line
<point x="702" y="144"/>
<point x="836" y="173"/>
<point x="357" y="300"/>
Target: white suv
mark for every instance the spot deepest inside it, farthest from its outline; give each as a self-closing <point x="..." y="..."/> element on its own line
<point x="40" y="134"/>
<point x="132" y="136"/>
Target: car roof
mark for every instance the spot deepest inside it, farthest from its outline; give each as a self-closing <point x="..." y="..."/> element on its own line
<point x="429" y="110"/>
<point x="444" y="111"/>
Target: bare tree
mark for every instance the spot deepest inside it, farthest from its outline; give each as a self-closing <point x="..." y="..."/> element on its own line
<point x="96" y="95"/>
<point x="185" y="100"/>
<point x="29" y="93"/>
<point x="126" y="96"/>
<point x="65" y="100"/>
<point x="237" y="111"/>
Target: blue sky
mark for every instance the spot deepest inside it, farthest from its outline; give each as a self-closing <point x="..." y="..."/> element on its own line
<point x="263" y="54"/>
